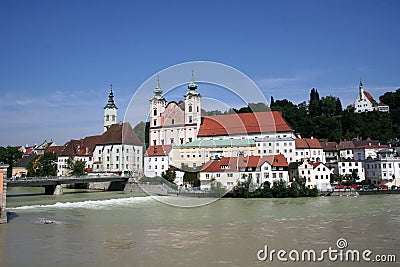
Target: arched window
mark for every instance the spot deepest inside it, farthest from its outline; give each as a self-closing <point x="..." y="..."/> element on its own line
<point x="190" y="108"/>
<point x="107" y="117"/>
<point x="173" y="121"/>
<point x="155" y="112"/>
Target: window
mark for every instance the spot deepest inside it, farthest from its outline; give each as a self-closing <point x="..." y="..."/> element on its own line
<point x="172" y="140"/>
<point x="190" y="119"/>
<point x="108" y="158"/>
<point x="190" y="108"/>
<point x="155" y="112"/>
<point x="155" y="167"/>
<point x="108" y="151"/>
<point x="162" y="167"/>
<point x="190" y="139"/>
<point x="218" y="175"/>
<point x="108" y="166"/>
<point x="207" y="175"/>
<point x="116" y="158"/>
<point x="181" y="141"/>
<point x="116" y="166"/>
<point x="274" y="175"/>
<point x="154" y="122"/>
<point x="162" y="159"/>
<point x="230" y="175"/>
<point x="155" y="159"/>
<point x="280" y="175"/>
<point x="173" y="121"/>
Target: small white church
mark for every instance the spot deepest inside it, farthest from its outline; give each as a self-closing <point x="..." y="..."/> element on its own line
<point x="366" y="103"/>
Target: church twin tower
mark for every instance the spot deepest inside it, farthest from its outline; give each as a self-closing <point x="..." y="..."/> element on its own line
<point x="170" y="124"/>
<point x="175" y="123"/>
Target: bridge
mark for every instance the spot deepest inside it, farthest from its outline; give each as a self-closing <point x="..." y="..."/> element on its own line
<point x="52" y="184"/>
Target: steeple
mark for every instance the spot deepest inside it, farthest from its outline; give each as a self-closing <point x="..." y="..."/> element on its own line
<point x="157" y="91"/>
<point x="110" y="103"/>
<point x="192" y="87"/>
<point x="361" y="89"/>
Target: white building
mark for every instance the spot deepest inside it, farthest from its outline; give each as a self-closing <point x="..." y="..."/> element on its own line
<point x="230" y="170"/>
<point x="156" y="160"/>
<point x="366" y="103"/>
<point x="316" y="175"/>
<point x="274" y="146"/>
<point x="384" y="170"/>
<point x="309" y="149"/>
<point x="119" y="151"/>
<point x="347" y="166"/>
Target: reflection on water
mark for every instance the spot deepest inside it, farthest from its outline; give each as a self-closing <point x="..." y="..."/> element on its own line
<point x="143" y="232"/>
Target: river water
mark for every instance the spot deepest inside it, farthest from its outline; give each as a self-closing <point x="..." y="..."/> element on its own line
<point x="118" y="229"/>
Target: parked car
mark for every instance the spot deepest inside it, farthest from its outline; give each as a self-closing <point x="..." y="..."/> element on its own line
<point x="395" y="187"/>
<point x="354" y="186"/>
<point x="369" y="187"/>
<point x="383" y="187"/>
<point x="340" y="187"/>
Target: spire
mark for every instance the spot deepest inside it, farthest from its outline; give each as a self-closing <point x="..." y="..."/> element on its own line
<point x="361" y="85"/>
<point x="192" y="86"/>
<point x="157" y="91"/>
<point x="110" y="103"/>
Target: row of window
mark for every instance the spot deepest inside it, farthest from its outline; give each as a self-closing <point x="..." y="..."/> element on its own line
<point x="277" y="144"/>
<point x="117" y="151"/>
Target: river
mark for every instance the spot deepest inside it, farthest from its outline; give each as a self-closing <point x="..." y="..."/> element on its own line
<point x="119" y="229"/>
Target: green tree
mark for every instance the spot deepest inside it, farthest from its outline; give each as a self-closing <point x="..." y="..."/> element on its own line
<point x="169" y="175"/>
<point x="76" y="167"/>
<point x="191" y="178"/>
<point x="9" y="155"/>
<point x="279" y="189"/>
<point x="43" y="165"/>
<point x="314" y="108"/>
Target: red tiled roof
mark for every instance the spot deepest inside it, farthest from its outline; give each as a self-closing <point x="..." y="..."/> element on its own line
<point x="229" y="165"/>
<point x="160" y="150"/>
<point x="242" y="123"/>
<point x="370" y="98"/>
<point x="232" y="163"/>
<point x="307" y="143"/>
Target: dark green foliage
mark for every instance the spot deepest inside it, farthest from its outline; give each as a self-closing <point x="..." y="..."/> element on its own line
<point x="325" y="119"/>
<point x="42" y="165"/>
<point x="169" y="175"/>
<point x="9" y="155"/>
<point x="191" y="178"/>
<point x="76" y="167"/>
<point x="278" y="190"/>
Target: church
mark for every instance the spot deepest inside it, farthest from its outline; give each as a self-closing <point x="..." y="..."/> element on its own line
<point x="366" y="103"/>
<point x="175" y="123"/>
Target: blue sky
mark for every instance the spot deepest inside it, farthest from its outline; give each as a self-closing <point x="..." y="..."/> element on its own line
<point x="59" y="57"/>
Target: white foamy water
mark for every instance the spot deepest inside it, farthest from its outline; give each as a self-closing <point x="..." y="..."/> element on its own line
<point x="91" y="204"/>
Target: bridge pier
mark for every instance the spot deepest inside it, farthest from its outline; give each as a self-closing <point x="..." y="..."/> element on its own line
<point x="53" y="190"/>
